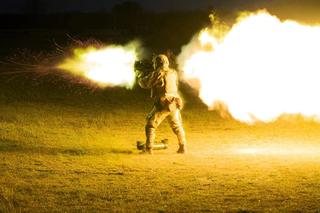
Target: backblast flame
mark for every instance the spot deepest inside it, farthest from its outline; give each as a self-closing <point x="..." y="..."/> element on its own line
<point x="108" y="66"/>
<point x="261" y="69"/>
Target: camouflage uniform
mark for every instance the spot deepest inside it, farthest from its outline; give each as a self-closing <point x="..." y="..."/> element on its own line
<point x="163" y="83"/>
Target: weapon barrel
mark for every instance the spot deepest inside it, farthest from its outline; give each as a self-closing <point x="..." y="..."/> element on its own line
<point x="143" y="67"/>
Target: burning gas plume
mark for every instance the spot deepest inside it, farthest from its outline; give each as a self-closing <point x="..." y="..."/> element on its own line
<point x="260" y="69"/>
<point x="109" y="66"/>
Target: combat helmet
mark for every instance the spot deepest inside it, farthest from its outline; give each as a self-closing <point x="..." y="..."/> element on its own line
<point x="160" y="61"/>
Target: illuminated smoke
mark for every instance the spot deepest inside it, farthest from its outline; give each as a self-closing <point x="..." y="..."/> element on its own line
<point x="109" y="66"/>
<point x="261" y="69"/>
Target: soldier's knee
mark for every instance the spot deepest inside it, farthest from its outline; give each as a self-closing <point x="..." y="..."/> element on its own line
<point x="178" y="129"/>
<point x="152" y="123"/>
<point x="150" y="127"/>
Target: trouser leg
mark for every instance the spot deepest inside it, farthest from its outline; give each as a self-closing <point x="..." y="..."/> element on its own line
<point x="175" y="122"/>
<point x="150" y="136"/>
<point x="153" y="121"/>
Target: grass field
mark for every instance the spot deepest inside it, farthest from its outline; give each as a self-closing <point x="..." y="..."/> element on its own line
<point x="75" y="154"/>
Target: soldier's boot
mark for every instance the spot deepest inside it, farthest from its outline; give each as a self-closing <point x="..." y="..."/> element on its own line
<point x="179" y="131"/>
<point x="148" y="151"/>
<point x="182" y="149"/>
<point x="182" y="141"/>
<point x="150" y="135"/>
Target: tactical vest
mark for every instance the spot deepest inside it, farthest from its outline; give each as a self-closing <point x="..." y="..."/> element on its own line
<point x="166" y="85"/>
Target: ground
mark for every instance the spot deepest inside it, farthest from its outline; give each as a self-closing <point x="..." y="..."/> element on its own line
<point x="79" y="155"/>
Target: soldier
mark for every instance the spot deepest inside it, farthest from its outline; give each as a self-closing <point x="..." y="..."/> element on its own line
<point x="163" y="83"/>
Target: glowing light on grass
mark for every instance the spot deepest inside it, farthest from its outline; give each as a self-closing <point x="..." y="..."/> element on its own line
<point x="250" y="151"/>
<point x="260" y="69"/>
<point x="278" y="150"/>
<point x="108" y="66"/>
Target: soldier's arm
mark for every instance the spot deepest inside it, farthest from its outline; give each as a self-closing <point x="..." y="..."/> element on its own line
<point x="151" y="80"/>
<point x="145" y="82"/>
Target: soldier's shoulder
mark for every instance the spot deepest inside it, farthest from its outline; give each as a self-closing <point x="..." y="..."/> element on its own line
<point x="172" y="71"/>
<point x="169" y="70"/>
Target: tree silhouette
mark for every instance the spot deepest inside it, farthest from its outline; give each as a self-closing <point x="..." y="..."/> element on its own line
<point x="34" y="7"/>
<point x="128" y="8"/>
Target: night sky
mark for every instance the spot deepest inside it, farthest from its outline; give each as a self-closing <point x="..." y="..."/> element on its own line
<point x="16" y="6"/>
<point x="52" y="6"/>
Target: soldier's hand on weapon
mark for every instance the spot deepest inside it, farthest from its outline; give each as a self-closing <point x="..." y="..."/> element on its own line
<point x="139" y="73"/>
<point x="160" y="75"/>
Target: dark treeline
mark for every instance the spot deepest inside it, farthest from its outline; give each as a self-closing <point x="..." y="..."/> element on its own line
<point x="133" y="16"/>
<point x="156" y="30"/>
<point x="126" y="21"/>
<point x="129" y="15"/>
<point x="83" y="21"/>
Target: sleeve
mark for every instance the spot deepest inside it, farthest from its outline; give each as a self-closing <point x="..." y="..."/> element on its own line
<point x="151" y="80"/>
<point x="144" y="82"/>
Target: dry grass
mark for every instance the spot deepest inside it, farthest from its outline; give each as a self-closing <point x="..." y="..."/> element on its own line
<point x="82" y="158"/>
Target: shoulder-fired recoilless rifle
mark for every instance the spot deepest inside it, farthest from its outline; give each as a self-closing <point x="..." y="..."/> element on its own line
<point x="143" y="68"/>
